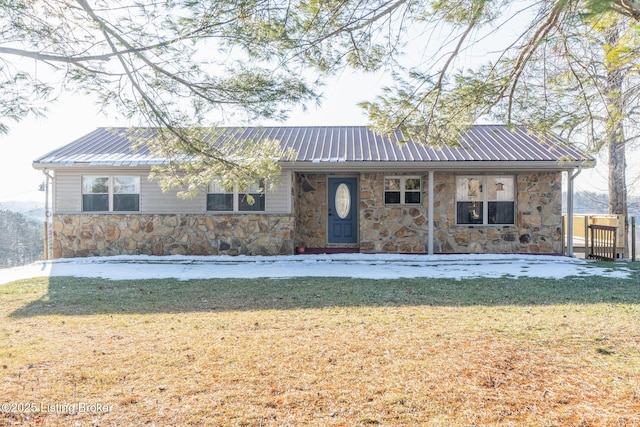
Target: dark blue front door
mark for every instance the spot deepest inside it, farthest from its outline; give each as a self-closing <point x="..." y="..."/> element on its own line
<point x="343" y="210"/>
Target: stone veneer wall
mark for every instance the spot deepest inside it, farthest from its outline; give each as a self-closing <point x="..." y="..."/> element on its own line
<point x="181" y="234"/>
<point x="390" y="228"/>
<point x="311" y="210"/>
<point x="386" y="228"/>
<point x="538" y="219"/>
<point x="404" y="228"/>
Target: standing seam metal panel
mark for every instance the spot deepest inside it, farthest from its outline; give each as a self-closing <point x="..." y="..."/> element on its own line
<point x="353" y="143"/>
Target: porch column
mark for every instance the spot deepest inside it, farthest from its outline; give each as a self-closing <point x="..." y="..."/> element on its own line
<point x="430" y="214"/>
<point x="571" y="176"/>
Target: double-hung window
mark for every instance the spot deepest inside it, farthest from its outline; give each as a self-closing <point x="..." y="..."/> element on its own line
<point x="253" y="198"/>
<point x="219" y="198"/>
<point x="485" y="200"/>
<point x="110" y="193"/>
<point x="406" y="190"/>
<point x="231" y="199"/>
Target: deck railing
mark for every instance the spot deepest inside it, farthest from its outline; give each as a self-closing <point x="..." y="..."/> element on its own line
<point x="582" y="232"/>
<point x="603" y="242"/>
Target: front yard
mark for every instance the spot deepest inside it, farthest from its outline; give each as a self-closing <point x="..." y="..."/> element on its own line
<point x="321" y="352"/>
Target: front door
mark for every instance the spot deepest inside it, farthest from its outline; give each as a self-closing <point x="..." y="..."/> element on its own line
<point x="343" y="210"/>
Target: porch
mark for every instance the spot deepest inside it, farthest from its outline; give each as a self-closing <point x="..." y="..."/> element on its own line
<point x="603" y="231"/>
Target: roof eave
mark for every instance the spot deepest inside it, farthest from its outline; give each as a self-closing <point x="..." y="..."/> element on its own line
<point x="368" y="165"/>
<point x="98" y="164"/>
<point x="489" y="166"/>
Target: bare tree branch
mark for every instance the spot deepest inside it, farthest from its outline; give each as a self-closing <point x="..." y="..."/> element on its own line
<point x="630" y="8"/>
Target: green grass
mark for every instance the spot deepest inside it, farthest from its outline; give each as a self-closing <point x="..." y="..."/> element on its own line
<point x="323" y="351"/>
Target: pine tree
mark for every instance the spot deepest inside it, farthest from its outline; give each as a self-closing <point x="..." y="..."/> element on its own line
<point x="21" y="241"/>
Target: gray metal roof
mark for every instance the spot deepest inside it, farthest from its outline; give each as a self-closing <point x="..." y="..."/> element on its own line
<point x="332" y="144"/>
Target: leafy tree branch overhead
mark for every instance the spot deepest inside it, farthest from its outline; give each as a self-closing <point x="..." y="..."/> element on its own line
<point x="169" y="64"/>
<point x="566" y="65"/>
<point x="173" y="62"/>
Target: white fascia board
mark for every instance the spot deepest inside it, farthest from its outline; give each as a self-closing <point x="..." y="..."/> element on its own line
<point x="88" y="167"/>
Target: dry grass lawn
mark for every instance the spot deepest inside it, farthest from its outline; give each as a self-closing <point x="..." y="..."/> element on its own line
<point x="321" y="352"/>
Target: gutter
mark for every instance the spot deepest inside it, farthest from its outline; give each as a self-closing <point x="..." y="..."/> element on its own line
<point x="47" y="213"/>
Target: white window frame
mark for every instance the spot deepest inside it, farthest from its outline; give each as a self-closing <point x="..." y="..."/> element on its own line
<point x="483" y="197"/>
<point x="403" y="190"/>
<point x="236" y="193"/>
<point x="111" y="191"/>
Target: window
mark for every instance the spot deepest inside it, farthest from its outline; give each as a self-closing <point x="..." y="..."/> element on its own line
<point x="126" y="193"/>
<point x="253" y="198"/>
<point x="485" y="200"/>
<point x="110" y="194"/>
<point x="230" y="199"/>
<point x="402" y="190"/>
<point x="219" y="198"/>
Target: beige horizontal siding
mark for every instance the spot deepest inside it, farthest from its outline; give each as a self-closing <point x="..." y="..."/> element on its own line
<point x="153" y="200"/>
<point x="68" y="192"/>
<point x="279" y="200"/>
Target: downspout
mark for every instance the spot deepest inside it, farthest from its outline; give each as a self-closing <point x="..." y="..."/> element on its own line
<point x="430" y="214"/>
<point x="47" y="214"/>
<point x="572" y="177"/>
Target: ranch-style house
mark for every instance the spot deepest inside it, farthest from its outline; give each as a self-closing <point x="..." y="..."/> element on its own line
<point x="348" y="189"/>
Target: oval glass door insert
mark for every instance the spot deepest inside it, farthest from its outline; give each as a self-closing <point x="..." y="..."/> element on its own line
<point x="343" y="200"/>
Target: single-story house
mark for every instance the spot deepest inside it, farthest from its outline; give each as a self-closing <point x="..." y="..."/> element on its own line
<point x="348" y="189"/>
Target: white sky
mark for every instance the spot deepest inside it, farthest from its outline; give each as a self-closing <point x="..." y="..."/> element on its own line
<point x="365" y="266"/>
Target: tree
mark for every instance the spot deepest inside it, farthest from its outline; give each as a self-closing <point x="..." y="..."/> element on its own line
<point x="167" y="64"/>
<point x="572" y="68"/>
<point x="21" y="241"/>
<point x="174" y="63"/>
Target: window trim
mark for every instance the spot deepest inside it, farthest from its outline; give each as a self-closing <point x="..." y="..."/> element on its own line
<point x="485" y="200"/>
<point x="403" y="190"/>
<point x="224" y="192"/>
<point x="236" y="194"/>
<point x="111" y="193"/>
